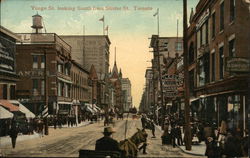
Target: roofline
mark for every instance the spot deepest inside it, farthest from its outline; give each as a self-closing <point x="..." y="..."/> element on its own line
<point x="80" y="66"/>
<point x="107" y="38"/>
<point x="9" y="33"/>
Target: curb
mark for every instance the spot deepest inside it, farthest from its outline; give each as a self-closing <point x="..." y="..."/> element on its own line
<point x="187" y="152"/>
<point x="190" y="153"/>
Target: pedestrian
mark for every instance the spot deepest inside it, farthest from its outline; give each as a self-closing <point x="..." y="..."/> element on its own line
<point x="210" y="148"/>
<point x="107" y="143"/>
<point x="152" y="127"/>
<point x="143" y="121"/>
<point x="143" y="148"/>
<point x="173" y="134"/>
<point x="13" y="133"/>
<point x="232" y="145"/>
<point x="179" y="135"/>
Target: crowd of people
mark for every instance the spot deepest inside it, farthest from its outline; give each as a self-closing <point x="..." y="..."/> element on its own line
<point x="220" y="140"/>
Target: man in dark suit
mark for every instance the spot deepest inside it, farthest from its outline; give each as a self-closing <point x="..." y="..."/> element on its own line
<point x="107" y="143"/>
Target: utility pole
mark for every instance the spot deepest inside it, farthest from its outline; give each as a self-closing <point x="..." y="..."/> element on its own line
<point x="160" y="77"/>
<point x="45" y="112"/>
<point x="186" y="81"/>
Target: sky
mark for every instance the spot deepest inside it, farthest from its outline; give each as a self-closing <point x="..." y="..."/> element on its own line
<point x="131" y="23"/>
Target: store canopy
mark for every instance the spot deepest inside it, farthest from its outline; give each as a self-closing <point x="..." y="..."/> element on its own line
<point x="89" y="108"/>
<point x="4" y="114"/>
<point x="23" y="109"/>
<point x="9" y="106"/>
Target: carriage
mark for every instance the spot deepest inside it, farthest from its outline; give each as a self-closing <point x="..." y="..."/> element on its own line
<point x="129" y="148"/>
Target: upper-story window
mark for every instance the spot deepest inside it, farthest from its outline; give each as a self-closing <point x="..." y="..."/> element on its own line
<point x="232" y="48"/>
<point x="232" y="10"/>
<point x="59" y="67"/>
<point x="42" y="62"/>
<point x="67" y="71"/>
<point x="213" y="25"/>
<point x="213" y="66"/>
<point x="178" y="46"/>
<point x="35" y="62"/>
<point x="222" y="16"/>
<point x="221" y="57"/>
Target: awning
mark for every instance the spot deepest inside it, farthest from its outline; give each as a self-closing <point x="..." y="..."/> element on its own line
<point x="23" y="109"/>
<point x="63" y="102"/>
<point x="4" y="114"/>
<point x="193" y="99"/>
<point x="9" y="106"/>
<point x="62" y="79"/>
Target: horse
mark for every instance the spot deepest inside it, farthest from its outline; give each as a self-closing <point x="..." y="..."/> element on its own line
<point x="130" y="146"/>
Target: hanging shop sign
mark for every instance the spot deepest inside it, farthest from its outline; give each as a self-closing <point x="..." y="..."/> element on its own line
<point x="237" y="64"/>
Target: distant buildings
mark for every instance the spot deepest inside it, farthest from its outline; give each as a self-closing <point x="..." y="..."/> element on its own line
<point x="90" y="50"/>
<point x="126" y="90"/>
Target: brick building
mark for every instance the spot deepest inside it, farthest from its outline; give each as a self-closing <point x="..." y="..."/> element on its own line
<point x="8" y="77"/>
<point x="44" y="63"/>
<point x="219" y="63"/>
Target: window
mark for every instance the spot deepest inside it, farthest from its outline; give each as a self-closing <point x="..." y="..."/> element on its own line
<point x="232" y="48"/>
<point x="204" y="70"/>
<point x="59" y="67"/>
<point x="233" y="109"/>
<point x="178" y="46"/>
<point x="222" y="16"/>
<point x="42" y="87"/>
<point x="66" y="90"/>
<point x="213" y="25"/>
<point x="206" y="32"/>
<point x="67" y="71"/>
<point x="232" y="10"/>
<point x="59" y="89"/>
<point x="35" y="62"/>
<point x="213" y="66"/>
<point x="221" y="62"/>
<point x="42" y="62"/>
<point x="201" y="36"/>
<point x="35" y="84"/>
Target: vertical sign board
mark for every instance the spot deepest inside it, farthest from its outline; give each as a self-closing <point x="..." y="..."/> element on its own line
<point x="7" y="54"/>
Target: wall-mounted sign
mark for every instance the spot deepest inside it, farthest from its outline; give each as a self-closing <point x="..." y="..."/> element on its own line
<point x="237" y="64"/>
<point x="32" y="73"/>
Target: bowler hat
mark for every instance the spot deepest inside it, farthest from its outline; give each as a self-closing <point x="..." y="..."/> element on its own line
<point x="108" y="130"/>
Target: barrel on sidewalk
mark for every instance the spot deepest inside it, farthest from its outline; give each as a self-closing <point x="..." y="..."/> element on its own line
<point x="98" y="154"/>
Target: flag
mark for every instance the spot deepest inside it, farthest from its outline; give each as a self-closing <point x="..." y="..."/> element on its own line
<point x="107" y="28"/>
<point x="157" y="12"/>
<point x="102" y="19"/>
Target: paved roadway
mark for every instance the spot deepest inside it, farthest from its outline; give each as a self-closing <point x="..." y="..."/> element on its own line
<point x="66" y="142"/>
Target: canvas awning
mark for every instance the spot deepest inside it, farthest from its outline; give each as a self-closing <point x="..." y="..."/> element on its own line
<point x="9" y="106"/>
<point x="4" y="114"/>
<point x="23" y="109"/>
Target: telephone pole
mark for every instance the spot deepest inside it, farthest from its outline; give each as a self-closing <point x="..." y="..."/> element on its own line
<point x="186" y="81"/>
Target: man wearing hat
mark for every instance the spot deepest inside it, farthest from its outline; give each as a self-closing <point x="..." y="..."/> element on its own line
<point x="107" y="143"/>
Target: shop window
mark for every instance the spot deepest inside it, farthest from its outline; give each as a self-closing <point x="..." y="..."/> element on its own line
<point x="232" y="10"/>
<point x="233" y="109"/>
<point x="221" y="57"/>
<point x="35" y="62"/>
<point x="222" y="16"/>
<point x="232" y="48"/>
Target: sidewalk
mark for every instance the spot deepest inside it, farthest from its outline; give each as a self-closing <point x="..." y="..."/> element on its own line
<point x="197" y="150"/>
<point x="6" y="140"/>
